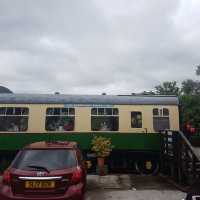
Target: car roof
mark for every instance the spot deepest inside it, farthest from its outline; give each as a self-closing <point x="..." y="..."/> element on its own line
<point x="52" y="145"/>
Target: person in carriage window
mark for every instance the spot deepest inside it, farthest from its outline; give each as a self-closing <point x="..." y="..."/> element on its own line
<point x="68" y="125"/>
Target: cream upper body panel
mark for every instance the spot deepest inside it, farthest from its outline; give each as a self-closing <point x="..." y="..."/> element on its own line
<point x="37" y="117"/>
<point x="147" y="117"/>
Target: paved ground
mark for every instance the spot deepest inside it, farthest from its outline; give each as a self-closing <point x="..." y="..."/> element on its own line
<point x="130" y="187"/>
<point x="134" y="195"/>
<point x="134" y="187"/>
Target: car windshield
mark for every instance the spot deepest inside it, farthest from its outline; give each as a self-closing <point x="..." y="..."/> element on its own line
<point x="45" y="160"/>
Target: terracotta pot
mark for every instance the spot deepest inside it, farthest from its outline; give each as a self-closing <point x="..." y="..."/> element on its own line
<point x="100" y="162"/>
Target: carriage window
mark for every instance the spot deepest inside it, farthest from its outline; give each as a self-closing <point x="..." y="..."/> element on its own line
<point x="13" y="119"/>
<point x="136" y="120"/>
<point x="60" y="119"/>
<point x="94" y="111"/>
<point x="161" y="119"/>
<point x="104" y="119"/>
<point x="155" y="112"/>
<point x="165" y="112"/>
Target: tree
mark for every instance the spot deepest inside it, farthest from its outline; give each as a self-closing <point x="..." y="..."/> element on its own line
<point x="190" y="109"/>
<point x="190" y="87"/>
<point x="189" y="96"/>
<point x="198" y="70"/>
<point x="168" y="88"/>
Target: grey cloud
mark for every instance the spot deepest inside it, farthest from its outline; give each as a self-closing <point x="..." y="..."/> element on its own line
<point x="115" y="46"/>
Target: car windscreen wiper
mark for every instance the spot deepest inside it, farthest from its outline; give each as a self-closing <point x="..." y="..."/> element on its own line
<point x="38" y="167"/>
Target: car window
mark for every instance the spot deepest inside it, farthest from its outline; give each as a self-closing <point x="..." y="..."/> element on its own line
<point x="53" y="159"/>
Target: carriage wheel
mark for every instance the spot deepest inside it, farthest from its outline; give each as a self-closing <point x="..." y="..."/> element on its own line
<point x="147" y="166"/>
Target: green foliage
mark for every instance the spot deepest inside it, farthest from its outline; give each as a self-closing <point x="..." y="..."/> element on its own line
<point x="102" y="146"/>
<point x="190" y="105"/>
<point x="198" y="70"/>
<point x="189" y="96"/>
<point x="168" y="88"/>
<point x="190" y="87"/>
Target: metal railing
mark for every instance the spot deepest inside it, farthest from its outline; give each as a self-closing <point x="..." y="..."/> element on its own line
<point x="179" y="159"/>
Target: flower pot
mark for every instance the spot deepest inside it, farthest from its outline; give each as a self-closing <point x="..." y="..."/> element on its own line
<point x="100" y="162"/>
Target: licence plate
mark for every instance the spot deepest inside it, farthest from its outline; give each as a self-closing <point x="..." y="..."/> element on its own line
<point x="39" y="184"/>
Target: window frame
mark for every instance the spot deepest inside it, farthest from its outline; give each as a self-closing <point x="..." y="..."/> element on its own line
<point x="160" y="112"/>
<point x="60" y="115"/>
<point x="104" y="115"/>
<point x="115" y="115"/>
<point x="161" y="115"/>
<point x="141" y="119"/>
<point x="14" y="108"/>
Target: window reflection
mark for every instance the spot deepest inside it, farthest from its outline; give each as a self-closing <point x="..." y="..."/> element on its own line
<point x="13" y="119"/>
<point x="161" y="119"/>
<point x="136" y="120"/>
<point x="60" y="119"/>
<point x="104" y="119"/>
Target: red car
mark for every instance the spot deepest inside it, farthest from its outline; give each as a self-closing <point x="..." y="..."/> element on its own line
<point x="45" y="170"/>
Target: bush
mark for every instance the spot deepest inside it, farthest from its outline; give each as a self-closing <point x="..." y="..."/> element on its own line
<point x="102" y="146"/>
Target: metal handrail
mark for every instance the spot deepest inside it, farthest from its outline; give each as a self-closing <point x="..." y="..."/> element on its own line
<point x="186" y="141"/>
<point x="178" y="165"/>
<point x="189" y="145"/>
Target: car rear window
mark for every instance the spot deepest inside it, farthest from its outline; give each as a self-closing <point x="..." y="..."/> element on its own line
<point x="53" y="159"/>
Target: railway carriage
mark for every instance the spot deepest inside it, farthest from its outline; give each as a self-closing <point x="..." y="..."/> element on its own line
<point x="132" y="122"/>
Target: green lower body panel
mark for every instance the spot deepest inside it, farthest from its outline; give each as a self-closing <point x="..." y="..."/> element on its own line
<point x="129" y="148"/>
<point x="121" y="141"/>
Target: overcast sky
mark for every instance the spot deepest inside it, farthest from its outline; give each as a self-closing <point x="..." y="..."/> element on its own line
<point x="95" y="46"/>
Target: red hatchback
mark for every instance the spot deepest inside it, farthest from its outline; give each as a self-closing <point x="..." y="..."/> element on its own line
<point x="43" y="170"/>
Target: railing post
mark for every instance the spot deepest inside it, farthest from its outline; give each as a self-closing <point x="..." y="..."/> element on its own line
<point x="178" y="158"/>
<point x="193" y="167"/>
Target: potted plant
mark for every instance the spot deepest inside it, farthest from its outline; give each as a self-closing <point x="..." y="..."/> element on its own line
<point x="102" y="147"/>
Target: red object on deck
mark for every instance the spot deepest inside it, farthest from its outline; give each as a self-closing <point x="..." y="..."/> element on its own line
<point x="188" y="127"/>
<point x="193" y="130"/>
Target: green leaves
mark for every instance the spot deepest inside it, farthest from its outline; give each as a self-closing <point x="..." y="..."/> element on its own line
<point x="168" y="88"/>
<point x="190" y="87"/>
<point x="198" y="70"/>
<point x="190" y="105"/>
<point x="102" y="146"/>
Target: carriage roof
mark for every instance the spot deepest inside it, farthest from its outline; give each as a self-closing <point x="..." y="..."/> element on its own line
<point x="87" y="99"/>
